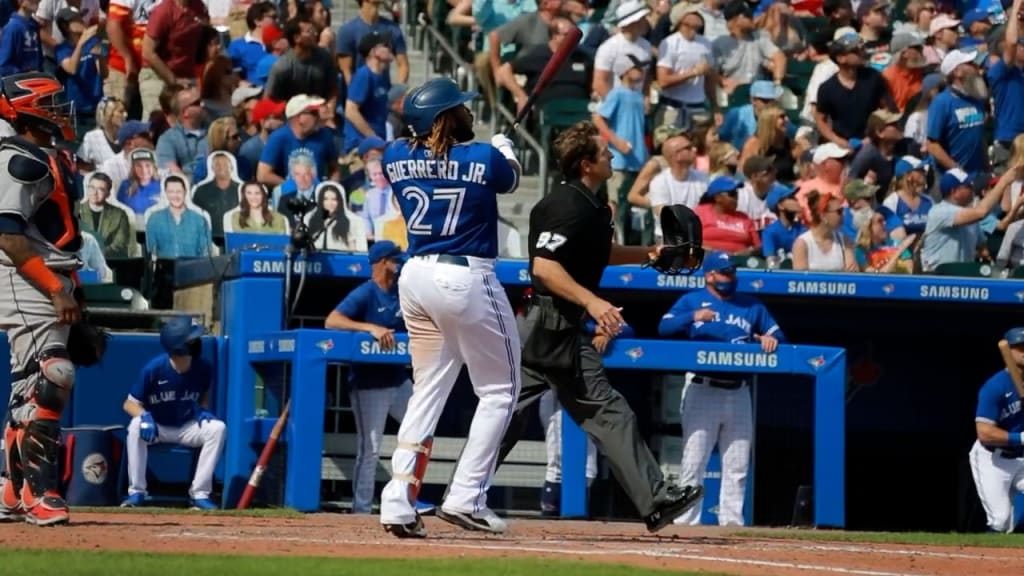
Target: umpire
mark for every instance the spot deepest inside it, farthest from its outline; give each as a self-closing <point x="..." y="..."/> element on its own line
<point x="570" y="245"/>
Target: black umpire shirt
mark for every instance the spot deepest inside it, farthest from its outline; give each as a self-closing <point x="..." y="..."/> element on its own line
<point x="572" y="226"/>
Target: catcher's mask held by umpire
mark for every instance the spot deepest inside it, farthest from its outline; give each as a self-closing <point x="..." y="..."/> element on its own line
<point x="180" y="337"/>
<point x="682" y="250"/>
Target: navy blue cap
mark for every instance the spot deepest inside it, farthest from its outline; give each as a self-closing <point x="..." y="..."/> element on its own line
<point x="777" y="194"/>
<point x="718" y="261"/>
<point x="1015" y="336"/>
<point x="383" y="249"/>
<point x="720" y="185"/>
<point x="131" y="129"/>
<point x="371" y="143"/>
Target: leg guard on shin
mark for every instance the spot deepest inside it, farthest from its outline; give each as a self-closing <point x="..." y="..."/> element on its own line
<point x="422" y="451"/>
<point x="39" y="435"/>
<point x="10" y="497"/>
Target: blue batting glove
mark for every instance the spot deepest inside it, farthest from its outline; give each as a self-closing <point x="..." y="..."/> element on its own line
<point x="203" y="415"/>
<point x="855" y="143"/>
<point x="147" y="428"/>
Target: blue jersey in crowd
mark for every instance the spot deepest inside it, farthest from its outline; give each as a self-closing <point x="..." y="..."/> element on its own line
<point x="776" y="236"/>
<point x="20" y="49"/>
<point x="369" y="91"/>
<point x="958" y="124"/>
<point x="1007" y="84"/>
<point x="914" y="220"/>
<point x="283" y="146"/>
<point x="84" y="87"/>
<point x="736" y="320"/>
<point x="892" y="222"/>
<point x="369" y="303"/>
<point x="999" y="403"/>
<point x="449" y="204"/>
<point x="172" y="398"/>
<point x="246" y="53"/>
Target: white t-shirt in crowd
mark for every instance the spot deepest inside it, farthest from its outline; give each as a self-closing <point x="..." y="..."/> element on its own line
<point x="678" y="54"/>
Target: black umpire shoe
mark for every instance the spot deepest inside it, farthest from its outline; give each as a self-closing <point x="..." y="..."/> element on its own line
<point x="414" y="529"/>
<point x="679" y="501"/>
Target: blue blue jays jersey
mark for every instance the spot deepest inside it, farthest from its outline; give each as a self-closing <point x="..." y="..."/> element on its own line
<point x="999" y="403"/>
<point x="736" y="320"/>
<point x="368" y="303"/>
<point x="449" y="204"/>
<point x="171" y="398"/>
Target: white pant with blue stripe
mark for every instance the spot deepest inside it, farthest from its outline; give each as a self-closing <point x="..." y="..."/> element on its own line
<point x="456" y="314"/>
<point x="371" y="407"/>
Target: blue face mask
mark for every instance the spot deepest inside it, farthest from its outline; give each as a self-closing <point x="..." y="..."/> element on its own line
<point x="725" y="287"/>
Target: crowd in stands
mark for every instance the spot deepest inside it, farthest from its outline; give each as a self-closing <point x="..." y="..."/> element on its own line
<point x="835" y="136"/>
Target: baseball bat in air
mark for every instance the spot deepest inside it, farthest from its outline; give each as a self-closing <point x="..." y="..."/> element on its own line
<point x="264" y="459"/>
<point x="1012" y="367"/>
<point x="567" y="47"/>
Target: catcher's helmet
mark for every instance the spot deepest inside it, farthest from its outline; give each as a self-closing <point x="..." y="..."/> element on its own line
<point x="38" y="99"/>
<point x="422" y="105"/>
<point x="177" y="332"/>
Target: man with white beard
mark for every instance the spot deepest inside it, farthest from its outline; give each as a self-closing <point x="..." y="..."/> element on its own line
<point x="956" y="116"/>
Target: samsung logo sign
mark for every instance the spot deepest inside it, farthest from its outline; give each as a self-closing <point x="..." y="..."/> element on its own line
<point x="740" y="359"/>
<point x="822" y="288"/>
<point x="971" y="293"/>
<point x="680" y="281"/>
<point x="372" y="347"/>
<point x="278" y="267"/>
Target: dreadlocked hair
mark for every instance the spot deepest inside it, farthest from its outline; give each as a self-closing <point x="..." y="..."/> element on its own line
<point x="442" y="135"/>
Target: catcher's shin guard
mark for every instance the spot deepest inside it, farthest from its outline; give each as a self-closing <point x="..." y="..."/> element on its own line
<point x="422" y="451"/>
<point x="10" y="496"/>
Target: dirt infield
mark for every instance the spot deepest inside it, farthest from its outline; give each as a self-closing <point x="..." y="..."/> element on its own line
<point x="677" y="548"/>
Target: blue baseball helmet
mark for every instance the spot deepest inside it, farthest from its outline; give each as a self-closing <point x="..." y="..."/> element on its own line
<point x="1015" y="336"/>
<point x="177" y="332"/>
<point x="423" y="104"/>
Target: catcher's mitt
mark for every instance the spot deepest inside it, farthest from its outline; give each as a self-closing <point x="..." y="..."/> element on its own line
<point x="87" y="343"/>
<point x="682" y="238"/>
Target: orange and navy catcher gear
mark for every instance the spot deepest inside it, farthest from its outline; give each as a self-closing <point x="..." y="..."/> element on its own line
<point x="35" y="99"/>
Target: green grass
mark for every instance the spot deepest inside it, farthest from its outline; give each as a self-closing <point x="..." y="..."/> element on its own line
<point x="92" y="563"/>
<point x="913" y="538"/>
<point x="250" y="513"/>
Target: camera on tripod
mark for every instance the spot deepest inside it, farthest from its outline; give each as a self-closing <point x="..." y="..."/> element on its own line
<point x="299" y="206"/>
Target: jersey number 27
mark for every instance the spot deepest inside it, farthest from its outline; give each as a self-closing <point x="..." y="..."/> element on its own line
<point x="454" y="197"/>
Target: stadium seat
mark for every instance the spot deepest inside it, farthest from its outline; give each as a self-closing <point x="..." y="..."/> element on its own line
<point x="972" y="269"/>
<point x="754" y="262"/>
<point x="1017" y="272"/>
<point x="740" y="96"/>
<point x="798" y="75"/>
<point x="112" y="296"/>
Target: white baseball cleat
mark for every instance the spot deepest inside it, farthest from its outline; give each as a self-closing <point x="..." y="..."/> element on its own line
<point x="483" y="521"/>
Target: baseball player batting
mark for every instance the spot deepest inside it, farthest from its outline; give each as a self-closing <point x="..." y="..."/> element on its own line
<point x="168" y="403"/>
<point x="455" y="310"/>
<point x="39" y="236"/>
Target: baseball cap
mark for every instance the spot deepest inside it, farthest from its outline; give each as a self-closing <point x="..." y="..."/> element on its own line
<point x="68" y="14"/>
<point x="941" y="22"/>
<point x="720" y="185"/>
<point x="907" y="164"/>
<point x="243" y="93"/>
<point x="858" y="190"/>
<point x="682" y="9"/>
<point x="869" y="5"/>
<point x="887" y="116"/>
<point x="302" y="103"/>
<point x="843" y="31"/>
<point x="624" y="63"/>
<point x="383" y="249"/>
<point x="777" y="194"/>
<point x="955" y="58"/>
<point x="902" y="41"/>
<point x="630" y="11"/>
<point x="736" y="9"/>
<point x="396" y="93"/>
<point x="952" y="180"/>
<point x="718" y="261"/>
<point x="829" y="150"/>
<point x="931" y="81"/>
<point x="765" y="90"/>
<point x="131" y="129"/>
<point x="976" y="15"/>
<point x="266" y="108"/>
<point x="143" y="154"/>
<point x="271" y="34"/>
<point x="664" y="132"/>
<point x="372" y="40"/>
<point x="1014" y="336"/>
<point x="371" y="143"/>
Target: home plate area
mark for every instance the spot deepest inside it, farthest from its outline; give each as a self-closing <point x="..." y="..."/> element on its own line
<point x="675" y="548"/>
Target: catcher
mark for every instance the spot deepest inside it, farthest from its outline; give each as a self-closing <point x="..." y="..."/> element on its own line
<point x="39" y="236"/>
<point x="570" y="245"/>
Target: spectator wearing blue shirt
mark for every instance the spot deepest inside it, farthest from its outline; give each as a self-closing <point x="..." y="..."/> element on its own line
<point x="268" y="116"/>
<point x="303" y="135"/>
<point x="20" y="46"/>
<point x="277" y="45"/>
<point x="351" y="33"/>
<point x="1006" y="81"/>
<point x="366" y="109"/>
<point x="956" y="116"/>
<point x="82" y="66"/>
<point x="777" y="238"/>
<point x="247" y="51"/>
<point x="375" y="391"/>
<point x="621" y="118"/>
<point x="997" y="457"/>
<point x="178" y="230"/>
<point x="909" y="199"/>
<point x="169" y="404"/>
<point x="740" y="122"/>
<point x="180" y="148"/>
<point x="953" y="233"/>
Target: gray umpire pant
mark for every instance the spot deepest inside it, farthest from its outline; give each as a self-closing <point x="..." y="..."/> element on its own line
<point x="558" y="355"/>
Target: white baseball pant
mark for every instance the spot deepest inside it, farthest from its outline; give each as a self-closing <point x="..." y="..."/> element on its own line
<point x="456" y="315"/>
<point x="997" y="480"/>
<point x="208" y="437"/>
<point x="716" y="416"/>
<point x="551" y="416"/>
<point x="371" y="408"/>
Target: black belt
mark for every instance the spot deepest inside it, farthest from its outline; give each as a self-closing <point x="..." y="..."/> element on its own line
<point x="447" y="259"/>
<point x="679" y="104"/>
<point x="1008" y="453"/>
<point x="725" y="384"/>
